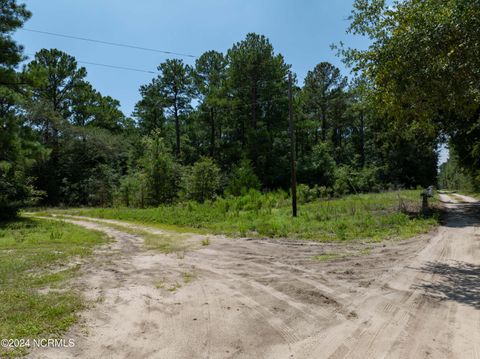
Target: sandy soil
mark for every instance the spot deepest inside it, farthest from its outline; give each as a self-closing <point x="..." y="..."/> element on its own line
<point x="239" y="298"/>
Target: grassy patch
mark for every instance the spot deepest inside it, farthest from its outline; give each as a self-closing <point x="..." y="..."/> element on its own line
<point x="371" y="217"/>
<point x="34" y="265"/>
<point x="164" y="242"/>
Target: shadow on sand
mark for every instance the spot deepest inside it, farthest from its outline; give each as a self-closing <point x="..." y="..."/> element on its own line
<point x="462" y="215"/>
<point x="458" y="281"/>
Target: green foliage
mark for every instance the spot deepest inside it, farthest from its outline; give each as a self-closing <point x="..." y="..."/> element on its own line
<point x="34" y="300"/>
<point x="323" y="90"/>
<point x="12" y="16"/>
<point x="351" y="180"/>
<point x="202" y="183"/>
<point x="318" y="167"/>
<point x="132" y="191"/>
<point x="452" y="177"/>
<point x="257" y="87"/>
<point x="176" y="89"/>
<point x="423" y="66"/>
<point x="162" y="173"/>
<point x="18" y="148"/>
<point x="243" y="179"/>
<point x="370" y="217"/>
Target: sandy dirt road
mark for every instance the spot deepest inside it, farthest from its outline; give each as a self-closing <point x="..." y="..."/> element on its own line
<point x="238" y="298"/>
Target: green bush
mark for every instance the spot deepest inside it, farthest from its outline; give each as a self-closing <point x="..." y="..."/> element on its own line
<point x="162" y="173"/>
<point x="202" y="182"/>
<point x="351" y="180"/>
<point x="317" y="168"/>
<point x="341" y="185"/>
<point x="243" y="179"/>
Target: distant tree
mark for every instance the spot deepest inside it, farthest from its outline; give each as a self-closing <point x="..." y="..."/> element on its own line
<point x="176" y="89"/>
<point x="203" y="181"/>
<point x="257" y="88"/>
<point x="210" y="76"/>
<point x="243" y="179"/>
<point x="162" y="173"/>
<point x="90" y="108"/>
<point x="55" y="79"/>
<point x="323" y="94"/>
<point x="423" y="65"/>
<point x="150" y="109"/>
<point x="317" y="167"/>
<point x="452" y="177"/>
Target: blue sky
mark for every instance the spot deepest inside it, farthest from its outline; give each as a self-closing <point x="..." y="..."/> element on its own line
<point x="301" y="30"/>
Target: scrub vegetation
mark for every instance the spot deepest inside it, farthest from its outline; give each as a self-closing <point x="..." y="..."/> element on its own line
<point x="373" y="217"/>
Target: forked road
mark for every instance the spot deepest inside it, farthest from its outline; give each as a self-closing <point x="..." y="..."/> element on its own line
<point x="238" y="298"/>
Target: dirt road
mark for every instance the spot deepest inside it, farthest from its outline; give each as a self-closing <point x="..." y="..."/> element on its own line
<point x="238" y="298"/>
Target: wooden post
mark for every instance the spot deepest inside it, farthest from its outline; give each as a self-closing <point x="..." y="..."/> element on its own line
<point x="292" y="147"/>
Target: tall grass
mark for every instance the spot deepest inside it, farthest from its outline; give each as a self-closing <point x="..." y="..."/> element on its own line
<point x="364" y="217"/>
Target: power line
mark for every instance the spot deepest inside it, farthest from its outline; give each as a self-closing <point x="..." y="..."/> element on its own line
<point x="117" y="67"/>
<point x="112" y="66"/>
<point x="108" y="43"/>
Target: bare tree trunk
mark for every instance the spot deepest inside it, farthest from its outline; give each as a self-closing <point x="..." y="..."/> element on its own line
<point x="324" y="125"/>
<point x="212" y="133"/>
<point x="177" y="126"/>
<point x="362" y="139"/>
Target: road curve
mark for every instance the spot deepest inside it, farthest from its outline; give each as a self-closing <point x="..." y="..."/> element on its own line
<point x="238" y="298"/>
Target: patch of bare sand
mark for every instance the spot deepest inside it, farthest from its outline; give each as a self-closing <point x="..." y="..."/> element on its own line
<point x="238" y="298"/>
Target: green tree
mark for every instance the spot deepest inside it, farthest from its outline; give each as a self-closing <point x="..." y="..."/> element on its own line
<point x="423" y="65"/>
<point x="162" y="173"/>
<point x="203" y="181"/>
<point x="176" y="89"/>
<point x="243" y="179"/>
<point x="257" y="88"/>
<point x="12" y="16"/>
<point x="18" y="148"/>
<point x="318" y="167"/>
<point x="150" y="109"/>
<point x="210" y="77"/>
<point x="323" y="93"/>
<point x="56" y="79"/>
<point x="452" y="177"/>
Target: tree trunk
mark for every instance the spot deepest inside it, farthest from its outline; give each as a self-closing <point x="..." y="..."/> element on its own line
<point x="324" y="125"/>
<point x="212" y="133"/>
<point x="177" y="126"/>
<point x="362" y="140"/>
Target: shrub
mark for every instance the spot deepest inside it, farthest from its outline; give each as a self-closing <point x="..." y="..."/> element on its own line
<point x="243" y="179"/>
<point x="342" y="179"/>
<point x="350" y="180"/>
<point x="306" y="194"/>
<point x="132" y="191"/>
<point x="318" y="167"/>
<point x="203" y="180"/>
<point x="162" y="173"/>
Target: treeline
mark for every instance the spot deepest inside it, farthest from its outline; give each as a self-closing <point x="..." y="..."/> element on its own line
<point x="219" y="126"/>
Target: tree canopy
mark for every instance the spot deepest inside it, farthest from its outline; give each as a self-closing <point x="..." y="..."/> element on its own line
<point x="220" y="125"/>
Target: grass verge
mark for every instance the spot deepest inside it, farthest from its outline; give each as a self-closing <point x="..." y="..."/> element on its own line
<point x="35" y="263"/>
<point x="371" y="217"/>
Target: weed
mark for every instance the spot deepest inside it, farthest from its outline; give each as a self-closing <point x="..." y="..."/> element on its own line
<point x="33" y="263"/>
<point x="187" y="277"/>
<point x="174" y="287"/>
<point x="371" y="217"/>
